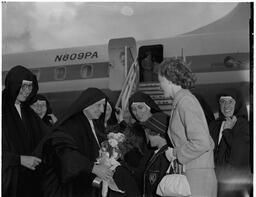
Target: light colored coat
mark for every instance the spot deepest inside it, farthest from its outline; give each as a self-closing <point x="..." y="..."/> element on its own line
<point x="189" y="133"/>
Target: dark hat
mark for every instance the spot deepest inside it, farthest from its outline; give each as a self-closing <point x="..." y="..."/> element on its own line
<point x="158" y="122"/>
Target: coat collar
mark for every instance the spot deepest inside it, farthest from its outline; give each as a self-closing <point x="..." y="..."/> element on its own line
<point x="180" y="94"/>
<point x="155" y="156"/>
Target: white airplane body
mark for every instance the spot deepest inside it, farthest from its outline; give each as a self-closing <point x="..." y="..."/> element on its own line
<point x="205" y="48"/>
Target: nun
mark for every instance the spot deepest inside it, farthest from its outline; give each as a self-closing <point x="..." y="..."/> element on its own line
<point x="42" y="107"/>
<point x="22" y="130"/>
<point x="231" y="135"/>
<point x="141" y="107"/>
<point x="70" y="152"/>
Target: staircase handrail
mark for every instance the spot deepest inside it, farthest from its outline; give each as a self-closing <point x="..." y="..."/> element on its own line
<point x="129" y="84"/>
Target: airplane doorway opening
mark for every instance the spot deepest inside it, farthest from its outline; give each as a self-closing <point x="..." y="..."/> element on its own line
<point x="149" y="59"/>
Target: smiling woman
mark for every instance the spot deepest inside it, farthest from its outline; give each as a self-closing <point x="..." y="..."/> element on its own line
<point x="231" y="135"/>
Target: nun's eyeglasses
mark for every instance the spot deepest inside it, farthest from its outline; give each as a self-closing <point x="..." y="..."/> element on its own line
<point x="227" y="101"/>
<point x="27" y="86"/>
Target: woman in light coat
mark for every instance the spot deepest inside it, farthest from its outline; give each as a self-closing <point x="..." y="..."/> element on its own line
<point x="188" y="130"/>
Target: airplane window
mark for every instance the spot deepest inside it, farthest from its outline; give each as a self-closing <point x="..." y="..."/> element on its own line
<point x="86" y="71"/>
<point x="60" y="73"/>
<point x="36" y="72"/>
<point x="231" y="62"/>
<point x="122" y="58"/>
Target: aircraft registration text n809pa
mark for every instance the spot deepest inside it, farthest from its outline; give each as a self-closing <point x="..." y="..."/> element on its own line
<point x="76" y="56"/>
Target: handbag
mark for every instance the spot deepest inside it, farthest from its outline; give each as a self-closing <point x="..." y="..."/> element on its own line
<point x="173" y="185"/>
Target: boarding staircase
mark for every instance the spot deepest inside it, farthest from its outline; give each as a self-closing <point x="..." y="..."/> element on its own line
<point x="154" y="91"/>
<point x="132" y="84"/>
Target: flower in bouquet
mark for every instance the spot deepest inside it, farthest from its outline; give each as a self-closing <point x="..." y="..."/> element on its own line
<point x="110" y="148"/>
<point x="127" y="141"/>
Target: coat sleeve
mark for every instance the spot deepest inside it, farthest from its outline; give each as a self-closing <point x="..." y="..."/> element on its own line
<point x="125" y="181"/>
<point x="214" y="129"/>
<point x="196" y="131"/>
<point x="68" y="161"/>
<point x="9" y="157"/>
<point x="238" y="141"/>
<point x="72" y="163"/>
<point x="10" y="165"/>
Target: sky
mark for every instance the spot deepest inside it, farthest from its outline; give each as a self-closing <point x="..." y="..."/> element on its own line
<point x="32" y="26"/>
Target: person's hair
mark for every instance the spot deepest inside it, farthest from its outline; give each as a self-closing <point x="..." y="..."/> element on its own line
<point x="178" y="72"/>
<point x="154" y="133"/>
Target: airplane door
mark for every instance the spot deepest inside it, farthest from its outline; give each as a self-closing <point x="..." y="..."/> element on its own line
<point x="122" y="53"/>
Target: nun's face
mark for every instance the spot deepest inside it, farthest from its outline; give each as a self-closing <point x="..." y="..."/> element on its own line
<point x="95" y="110"/>
<point x="141" y="111"/>
<point x="227" y="106"/>
<point x="25" y="90"/>
<point x="40" y="108"/>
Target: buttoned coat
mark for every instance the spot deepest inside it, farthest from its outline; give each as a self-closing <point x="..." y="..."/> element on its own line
<point x="194" y="146"/>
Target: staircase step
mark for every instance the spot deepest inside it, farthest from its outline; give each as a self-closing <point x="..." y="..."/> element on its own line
<point x="158" y="97"/>
<point x="165" y="107"/>
<point x="154" y="92"/>
<point x="167" y="112"/>
<point x="149" y="84"/>
<point x="163" y="102"/>
<point x="149" y="88"/>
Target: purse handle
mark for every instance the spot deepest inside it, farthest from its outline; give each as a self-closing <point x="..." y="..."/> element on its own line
<point x="175" y="166"/>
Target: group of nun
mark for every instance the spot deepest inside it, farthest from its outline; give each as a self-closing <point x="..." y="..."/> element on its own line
<point x="60" y="160"/>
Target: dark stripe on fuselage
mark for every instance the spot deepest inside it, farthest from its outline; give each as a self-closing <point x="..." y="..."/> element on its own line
<point x="73" y="72"/>
<point x="215" y="63"/>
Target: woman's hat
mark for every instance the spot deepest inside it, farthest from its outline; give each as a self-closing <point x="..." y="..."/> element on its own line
<point x="158" y="122"/>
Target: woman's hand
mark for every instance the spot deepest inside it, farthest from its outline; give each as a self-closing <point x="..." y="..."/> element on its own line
<point x="102" y="171"/>
<point x="53" y="118"/>
<point x="30" y="162"/>
<point x="170" y="154"/>
<point x="230" y="123"/>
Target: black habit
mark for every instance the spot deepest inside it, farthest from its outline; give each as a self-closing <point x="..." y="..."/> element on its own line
<point x="232" y="154"/>
<point x="134" y="156"/>
<point x="20" y="136"/>
<point x="72" y="149"/>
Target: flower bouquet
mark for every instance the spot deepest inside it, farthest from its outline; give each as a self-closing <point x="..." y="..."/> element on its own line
<point x="130" y="139"/>
<point x="109" y="153"/>
<point x="119" y="142"/>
